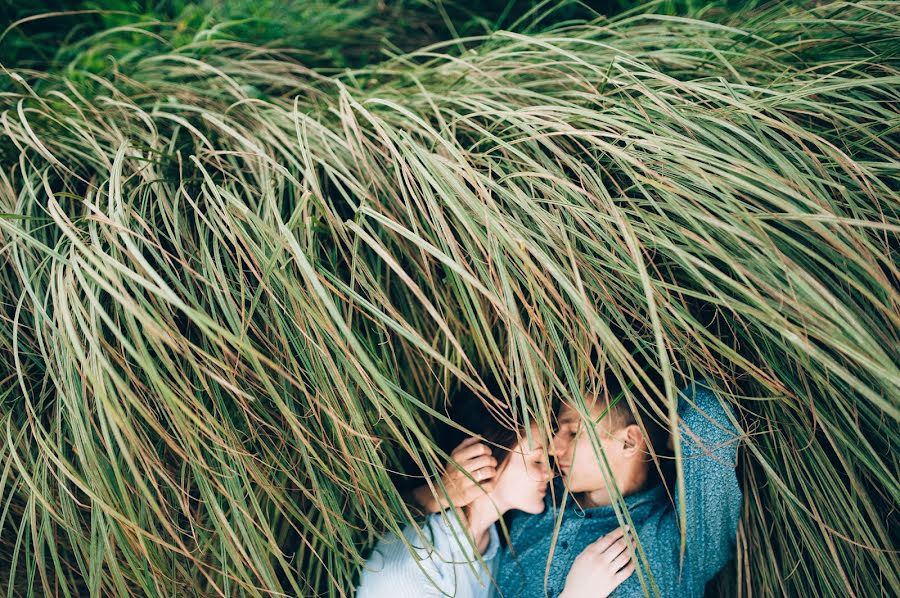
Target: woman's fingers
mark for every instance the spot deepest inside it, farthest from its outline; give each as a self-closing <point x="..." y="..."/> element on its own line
<point x="620" y="561"/>
<point x="615" y="549"/>
<point x="479" y="462"/>
<point x="474" y="491"/>
<point x="487" y="486"/>
<point x="467" y="442"/>
<point x="606" y="541"/>
<point x="480" y="468"/>
<point x="485" y="473"/>
<point x="471" y="451"/>
<point x="469" y="458"/>
<point x="624" y="573"/>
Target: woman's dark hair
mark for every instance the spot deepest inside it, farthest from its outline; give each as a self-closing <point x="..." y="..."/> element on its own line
<point x="469" y="412"/>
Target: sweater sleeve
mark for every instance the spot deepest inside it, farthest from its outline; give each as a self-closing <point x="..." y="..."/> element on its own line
<point x="709" y="443"/>
<point x="447" y="565"/>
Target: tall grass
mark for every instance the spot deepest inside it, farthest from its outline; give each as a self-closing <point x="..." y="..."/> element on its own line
<point x="237" y="291"/>
<point x="85" y="35"/>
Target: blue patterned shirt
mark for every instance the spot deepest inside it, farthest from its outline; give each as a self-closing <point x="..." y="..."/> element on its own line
<point x="712" y="504"/>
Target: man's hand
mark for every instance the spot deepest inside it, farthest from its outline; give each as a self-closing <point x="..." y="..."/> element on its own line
<point x="473" y="457"/>
<point x="600" y="568"/>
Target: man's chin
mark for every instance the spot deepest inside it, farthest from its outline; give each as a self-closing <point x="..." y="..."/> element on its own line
<point x="572" y="486"/>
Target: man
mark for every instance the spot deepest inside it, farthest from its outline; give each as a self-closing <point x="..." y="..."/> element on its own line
<point x="712" y="503"/>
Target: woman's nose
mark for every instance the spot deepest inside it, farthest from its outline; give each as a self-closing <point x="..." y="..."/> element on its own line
<point x="546" y="473"/>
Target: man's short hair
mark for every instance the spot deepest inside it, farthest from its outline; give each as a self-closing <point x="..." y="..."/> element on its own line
<point x="610" y="397"/>
<point x="605" y="382"/>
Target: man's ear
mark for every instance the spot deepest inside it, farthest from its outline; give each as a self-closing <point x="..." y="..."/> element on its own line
<point x="634" y="440"/>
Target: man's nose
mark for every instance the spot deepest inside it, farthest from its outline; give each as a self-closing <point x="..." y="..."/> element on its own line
<point x="556" y="448"/>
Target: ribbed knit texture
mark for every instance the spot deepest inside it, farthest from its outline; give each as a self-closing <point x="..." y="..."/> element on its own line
<point x="712" y="502"/>
<point x="444" y="565"/>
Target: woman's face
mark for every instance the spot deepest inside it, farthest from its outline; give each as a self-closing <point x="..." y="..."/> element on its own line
<point x="523" y="476"/>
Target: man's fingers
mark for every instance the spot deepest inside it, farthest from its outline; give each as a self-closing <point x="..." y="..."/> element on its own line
<point x="606" y="541"/>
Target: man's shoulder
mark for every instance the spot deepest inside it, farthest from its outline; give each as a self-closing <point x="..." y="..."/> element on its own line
<point x="700" y="388"/>
<point x="701" y="401"/>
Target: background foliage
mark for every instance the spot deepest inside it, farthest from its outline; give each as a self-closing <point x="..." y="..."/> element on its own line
<point x="247" y="256"/>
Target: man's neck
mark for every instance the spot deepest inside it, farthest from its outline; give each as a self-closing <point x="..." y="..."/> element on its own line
<point x="590" y="500"/>
<point x="603" y="498"/>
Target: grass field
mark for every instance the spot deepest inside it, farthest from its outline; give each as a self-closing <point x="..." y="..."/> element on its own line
<point x="247" y="258"/>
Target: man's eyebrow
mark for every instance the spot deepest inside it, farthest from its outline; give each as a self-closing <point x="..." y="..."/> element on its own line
<point x="569" y="419"/>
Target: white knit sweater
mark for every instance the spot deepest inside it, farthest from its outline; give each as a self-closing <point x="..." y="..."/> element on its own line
<point x="444" y="564"/>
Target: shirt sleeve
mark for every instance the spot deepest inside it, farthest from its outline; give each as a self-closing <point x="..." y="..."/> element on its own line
<point x="445" y="566"/>
<point x="709" y="443"/>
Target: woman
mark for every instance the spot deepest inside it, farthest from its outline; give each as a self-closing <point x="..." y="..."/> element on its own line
<point x="455" y="553"/>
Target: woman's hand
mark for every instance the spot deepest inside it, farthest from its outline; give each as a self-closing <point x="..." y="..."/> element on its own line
<point x="470" y="456"/>
<point x="600" y="568"/>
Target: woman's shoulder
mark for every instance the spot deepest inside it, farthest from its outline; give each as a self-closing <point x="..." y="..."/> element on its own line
<point x="392" y="567"/>
<point x="431" y="552"/>
<point x="426" y="538"/>
<point x="420" y="535"/>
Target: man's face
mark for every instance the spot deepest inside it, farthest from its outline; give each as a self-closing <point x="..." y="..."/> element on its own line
<point x="580" y="467"/>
